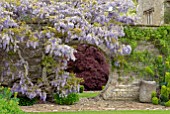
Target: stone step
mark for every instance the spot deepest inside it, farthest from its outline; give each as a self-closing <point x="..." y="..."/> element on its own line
<point x="126" y="86"/>
<point x="126" y="90"/>
<point x="124" y="99"/>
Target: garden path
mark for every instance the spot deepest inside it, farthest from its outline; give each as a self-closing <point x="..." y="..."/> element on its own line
<point x="94" y="104"/>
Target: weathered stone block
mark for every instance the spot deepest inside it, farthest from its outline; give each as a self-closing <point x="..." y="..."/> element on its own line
<point x="146" y="88"/>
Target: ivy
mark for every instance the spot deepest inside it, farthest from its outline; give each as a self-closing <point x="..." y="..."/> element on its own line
<point x="145" y="63"/>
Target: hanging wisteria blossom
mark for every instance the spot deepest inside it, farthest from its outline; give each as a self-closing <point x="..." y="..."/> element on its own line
<point x="48" y="27"/>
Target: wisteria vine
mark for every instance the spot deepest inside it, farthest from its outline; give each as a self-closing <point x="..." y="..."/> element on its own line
<point x="51" y="25"/>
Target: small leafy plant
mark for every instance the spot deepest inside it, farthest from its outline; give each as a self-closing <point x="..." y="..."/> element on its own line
<point x="167" y="104"/>
<point x="155" y="101"/>
<point x="154" y="94"/>
<point x="9" y="102"/>
<point x="81" y="89"/>
<point x="164" y="92"/>
<point x="103" y="87"/>
<point x="9" y="107"/>
<point x="66" y="100"/>
<point x="5" y="93"/>
<point x="25" y="101"/>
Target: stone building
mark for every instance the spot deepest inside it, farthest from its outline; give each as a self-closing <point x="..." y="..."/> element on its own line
<point x="153" y="12"/>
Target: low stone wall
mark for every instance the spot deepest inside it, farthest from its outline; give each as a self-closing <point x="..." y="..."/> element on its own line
<point x="115" y="91"/>
<point x="123" y="92"/>
<point x="138" y="90"/>
<point x="127" y="88"/>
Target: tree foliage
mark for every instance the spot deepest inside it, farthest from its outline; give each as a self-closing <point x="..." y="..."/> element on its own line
<point x="91" y="65"/>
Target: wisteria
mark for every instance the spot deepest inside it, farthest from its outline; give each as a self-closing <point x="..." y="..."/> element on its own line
<point x="51" y="25"/>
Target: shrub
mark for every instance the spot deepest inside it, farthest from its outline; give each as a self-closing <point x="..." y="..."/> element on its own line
<point x="9" y="107"/>
<point x="66" y="100"/>
<point x="167" y="77"/>
<point x="25" y="101"/>
<point x="162" y="103"/>
<point x="91" y="65"/>
<point x="5" y="93"/>
<point x="155" y="101"/>
<point x="154" y="94"/>
<point x="81" y="89"/>
<point x="164" y="94"/>
<point x="9" y="104"/>
<point x="167" y="104"/>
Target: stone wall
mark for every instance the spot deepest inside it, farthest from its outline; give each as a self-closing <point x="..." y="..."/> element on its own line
<point x="34" y="59"/>
<point x="115" y="91"/>
<point x="156" y="16"/>
<point x="127" y="88"/>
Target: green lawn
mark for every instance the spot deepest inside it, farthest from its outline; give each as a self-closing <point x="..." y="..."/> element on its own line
<point x="111" y="112"/>
<point x="88" y="94"/>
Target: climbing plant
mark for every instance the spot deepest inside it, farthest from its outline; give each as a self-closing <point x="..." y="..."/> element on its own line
<point x="46" y="27"/>
<point x="166" y="13"/>
<point x="152" y="66"/>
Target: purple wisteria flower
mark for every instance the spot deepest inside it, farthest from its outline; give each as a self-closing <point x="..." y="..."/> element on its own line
<point x="58" y="24"/>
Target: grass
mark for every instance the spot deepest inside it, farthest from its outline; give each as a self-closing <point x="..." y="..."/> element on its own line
<point x="88" y="94"/>
<point x="112" y="112"/>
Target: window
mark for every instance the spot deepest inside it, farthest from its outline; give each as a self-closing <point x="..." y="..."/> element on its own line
<point x="149" y="15"/>
<point x="167" y="12"/>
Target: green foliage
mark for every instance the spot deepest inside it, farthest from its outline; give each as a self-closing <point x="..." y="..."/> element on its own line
<point x="159" y="37"/>
<point x="154" y="94"/>
<point x="141" y="59"/>
<point x="149" y="70"/>
<point x="66" y="100"/>
<point x="167" y="77"/>
<point x="167" y="104"/>
<point x="160" y="69"/>
<point x="103" y="87"/>
<point x="25" y="101"/>
<point x="81" y="89"/>
<point x="155" y="67"/>
<point x="9" y="104"/>
<point x="48" y="62"/>
<point x="164" y="97"/>
<point x="164" y="94"/>
<point x="9" y="107"/>
<point x="155" y="101"/>
<point x="5" y="93"/>
<point x="167" y="15"/>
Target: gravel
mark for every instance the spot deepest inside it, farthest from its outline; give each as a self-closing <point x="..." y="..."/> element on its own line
<point x="93" y="105"/>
